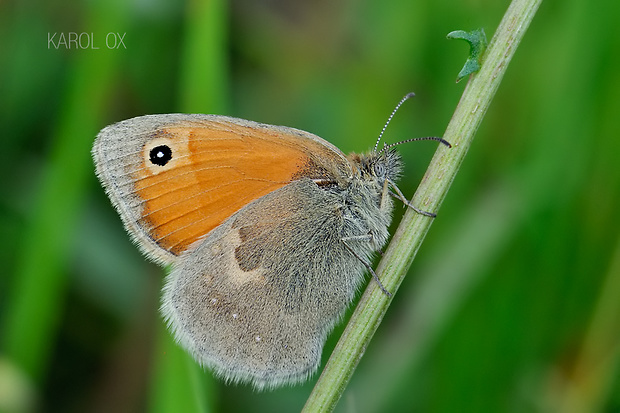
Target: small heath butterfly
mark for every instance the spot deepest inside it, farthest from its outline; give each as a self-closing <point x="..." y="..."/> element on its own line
<point x="268" y="230"/>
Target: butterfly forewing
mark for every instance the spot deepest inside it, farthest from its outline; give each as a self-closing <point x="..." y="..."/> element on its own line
<point x="182" y="176"/>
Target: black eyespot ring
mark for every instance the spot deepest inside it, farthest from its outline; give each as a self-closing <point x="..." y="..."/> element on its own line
<point x="160" y="155"/>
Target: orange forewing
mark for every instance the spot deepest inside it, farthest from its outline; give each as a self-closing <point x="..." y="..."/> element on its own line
<point x="219" y="168"/>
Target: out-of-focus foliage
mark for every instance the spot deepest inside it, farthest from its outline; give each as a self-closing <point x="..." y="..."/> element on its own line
<point x="512" y="304"/>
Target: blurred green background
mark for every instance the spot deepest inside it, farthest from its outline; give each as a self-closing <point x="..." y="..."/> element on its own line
<point x="513" y="303"/>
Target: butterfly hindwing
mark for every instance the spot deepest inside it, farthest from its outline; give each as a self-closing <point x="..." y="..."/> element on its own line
<point x="257" y="297"/>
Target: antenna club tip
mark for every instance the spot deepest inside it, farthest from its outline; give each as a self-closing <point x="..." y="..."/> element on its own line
<point x="409" y="95"/>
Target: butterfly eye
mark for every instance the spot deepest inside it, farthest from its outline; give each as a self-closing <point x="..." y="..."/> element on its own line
<point x="160" y="155"/>
<point x="379" y="169"/>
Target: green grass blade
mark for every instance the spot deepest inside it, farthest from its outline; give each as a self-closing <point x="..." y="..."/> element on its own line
<point x="40" y="278"/>
<point x="460" y="131"/>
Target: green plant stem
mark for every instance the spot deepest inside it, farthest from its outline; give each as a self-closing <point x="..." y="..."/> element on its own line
<point x="204" y="84"/>
<point x="432" y="191"/>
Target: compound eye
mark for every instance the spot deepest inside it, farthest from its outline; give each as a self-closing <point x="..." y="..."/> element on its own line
<point x="379" y="169"/>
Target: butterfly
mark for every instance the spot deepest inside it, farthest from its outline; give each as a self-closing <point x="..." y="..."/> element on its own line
<point x="268" y="230"/>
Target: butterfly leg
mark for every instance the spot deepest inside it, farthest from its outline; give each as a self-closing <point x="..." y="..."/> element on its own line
<point x="399" y="195"/>
<point x="363" y="261"/>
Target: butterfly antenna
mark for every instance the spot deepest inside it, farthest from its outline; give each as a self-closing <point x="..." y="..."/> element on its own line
<point x="425" y="138"/>
<point x="407" y="96"/>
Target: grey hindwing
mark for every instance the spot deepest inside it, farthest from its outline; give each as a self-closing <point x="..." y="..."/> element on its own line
<point x="256" y="298"/>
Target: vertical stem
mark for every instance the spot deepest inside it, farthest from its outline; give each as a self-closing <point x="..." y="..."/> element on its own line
<point x="443" y="168"/>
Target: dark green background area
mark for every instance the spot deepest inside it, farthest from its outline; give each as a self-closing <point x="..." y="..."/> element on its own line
<point x="513" y="302"/>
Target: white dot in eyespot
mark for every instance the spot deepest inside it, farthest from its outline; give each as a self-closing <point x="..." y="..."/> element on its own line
<point x="235" y="316"/>
<point x="257" y="338"/>
<point x="213" y="300"/>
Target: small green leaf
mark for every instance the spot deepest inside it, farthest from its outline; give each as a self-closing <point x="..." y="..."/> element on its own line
<point x="478" y="42"/>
